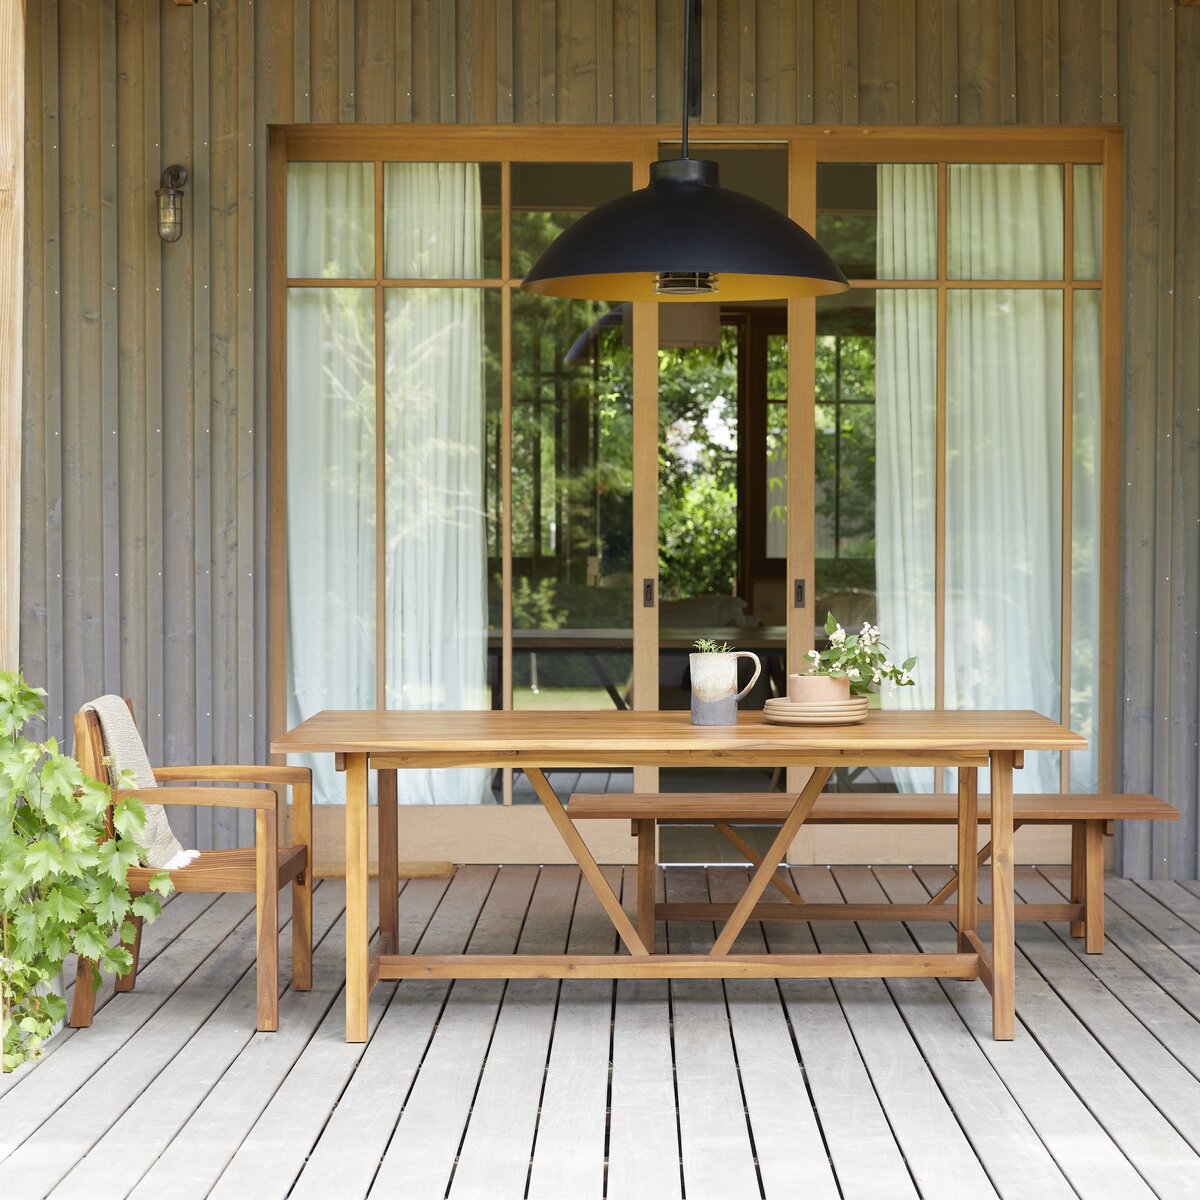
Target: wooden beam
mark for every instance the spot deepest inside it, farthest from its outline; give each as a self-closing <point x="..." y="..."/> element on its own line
<point x="12" y="272"/>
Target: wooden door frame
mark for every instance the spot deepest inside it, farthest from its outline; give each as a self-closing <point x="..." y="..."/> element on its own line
<point x="639" y="145"/>
<point x="12" y="314"/>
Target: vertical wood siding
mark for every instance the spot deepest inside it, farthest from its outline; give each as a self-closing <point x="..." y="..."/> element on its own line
<point x="144" y="502"/>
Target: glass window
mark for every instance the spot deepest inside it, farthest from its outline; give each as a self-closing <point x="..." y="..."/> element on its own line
<point x="854" y="200"/>
<point x="572" y="510"/>
<point x="442" y="220"/>
<point x="876" y="487"/>
<point x="1004" y="376"/>
<point x="331" y="220"/>
<point x="1089" y="210"/>
<point x="776" y="447"/>
<point x="331" y="510"/>
<point x="435" y="572"/>
<point x="1005" y="221"/>
<point x="549" y="197"/>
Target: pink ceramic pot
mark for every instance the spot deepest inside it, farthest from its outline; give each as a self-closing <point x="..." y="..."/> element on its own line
<point x="818" y="689"/>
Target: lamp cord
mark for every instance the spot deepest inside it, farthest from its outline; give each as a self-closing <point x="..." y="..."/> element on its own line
<point x="688" y="37"/>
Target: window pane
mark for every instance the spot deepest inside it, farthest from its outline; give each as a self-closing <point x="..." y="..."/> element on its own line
<point x="1005" y="221"/>
<point x="572" y="400"/>
<point x="330" y="510"/>
<point x="441" y="220"/>
<point x="331" y="220"/>
<point x="1089" y="209"/>
<point x="879" y="222"/>
<point x="1004" y="508"/>
<point x="438" y="343"/>
<point x="549" y="197"/>
<point x="776" y="474"/>
<point x="876" y="487"/>
<point x="1085" y="538"/>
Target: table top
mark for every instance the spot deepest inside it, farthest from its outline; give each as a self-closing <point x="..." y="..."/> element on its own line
<point x="668" y="733"/>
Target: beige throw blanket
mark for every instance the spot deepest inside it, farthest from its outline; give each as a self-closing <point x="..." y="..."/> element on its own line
<point x="127" y="753"/>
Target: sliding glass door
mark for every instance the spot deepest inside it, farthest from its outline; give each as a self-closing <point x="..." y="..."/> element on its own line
<point x="495" y="500"/>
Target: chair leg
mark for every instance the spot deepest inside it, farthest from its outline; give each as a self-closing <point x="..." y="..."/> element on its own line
<point x="647" y="878"/>
<point x="266" y="915"/>
<point x="1093" y="887"/>
<point x="302" y="889"/>
<point x="83" y="1006"/>
<point x="1078" y="884"/>
<point x="124" y="983"/>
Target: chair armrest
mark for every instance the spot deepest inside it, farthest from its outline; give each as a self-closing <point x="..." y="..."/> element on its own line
<point x="223" y="773"/>
<point x="209" y="796"/>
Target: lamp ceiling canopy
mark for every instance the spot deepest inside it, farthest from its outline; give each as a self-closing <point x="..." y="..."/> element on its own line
<point x="684" y="237"/>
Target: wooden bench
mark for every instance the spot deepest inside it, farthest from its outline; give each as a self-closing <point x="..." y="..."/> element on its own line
<point x="1090" y="819"/>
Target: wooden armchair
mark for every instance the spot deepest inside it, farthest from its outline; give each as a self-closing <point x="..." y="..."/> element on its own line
<point x="262" y="869"/>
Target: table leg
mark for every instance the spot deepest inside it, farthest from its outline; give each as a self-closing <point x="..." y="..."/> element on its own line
<point x="587" y="864"/>
<point x="773" y="857"/>
<point x="358" y="986"/>
<point x="389" y="875"/>
<point x="1003" y="929"/>
<point x="968" y="861"/>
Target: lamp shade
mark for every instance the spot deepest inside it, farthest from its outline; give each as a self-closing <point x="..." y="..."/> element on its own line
<point x="684" y="238"/>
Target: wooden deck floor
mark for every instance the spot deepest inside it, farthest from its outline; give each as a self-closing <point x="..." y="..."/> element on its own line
<point x="642" y="1090"/>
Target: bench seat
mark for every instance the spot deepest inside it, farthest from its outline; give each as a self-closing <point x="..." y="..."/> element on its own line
<point x="858" y="808"/>
<point x="1089" y="816"/>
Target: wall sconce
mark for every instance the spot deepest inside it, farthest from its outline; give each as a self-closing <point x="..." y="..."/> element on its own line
<point x="170" y="203"/>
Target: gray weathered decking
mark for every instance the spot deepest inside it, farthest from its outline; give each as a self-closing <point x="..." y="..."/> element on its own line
<point x="640" y="1089"/>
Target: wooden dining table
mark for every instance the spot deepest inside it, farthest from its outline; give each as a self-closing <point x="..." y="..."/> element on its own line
<point x="536" y="742"/>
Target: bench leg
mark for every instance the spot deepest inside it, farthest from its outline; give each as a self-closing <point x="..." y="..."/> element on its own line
<point x="647" y="879"/>
<point x="124" y="983"/>
<point x="1093" y="887"/>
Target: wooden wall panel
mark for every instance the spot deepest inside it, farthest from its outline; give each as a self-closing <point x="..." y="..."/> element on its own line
<point x="144" y="467"/>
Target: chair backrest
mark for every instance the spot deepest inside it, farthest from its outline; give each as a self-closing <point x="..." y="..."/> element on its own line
<point x="90" y="750"/>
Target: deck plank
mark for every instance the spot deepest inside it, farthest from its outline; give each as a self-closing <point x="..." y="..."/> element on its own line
<point x="792" y="1157"/>
<point x="496" y="1151"/>
<point x="1147" y="1138"/>
<point x="866" y="1159"/>
<point x="150" y="1118"/>
<point x="179" y="911"/>
<point x="420" y="1158"/>
<point x="568" y="1088"/>
<point x="1172" y="930"/>
<point x="718" y="1157"/>
<point x="47" y="1155"/>
<point x="935" y="1147"/>
<point x="279" y="1136"/>
<point x="1077" y="1141"/>
<point x="193" y="1161"/>
<point x="1009" y="1149"/>
<point x="642" y="1107"/>
<point x="1155" y="1008"/>
<point x="1177" y="978"/>
<point x="56" y="1080"/>
<point x="568" y="1151"/>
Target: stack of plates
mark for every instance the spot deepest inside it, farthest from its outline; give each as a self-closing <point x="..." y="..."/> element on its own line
<point x="782" y="711"/>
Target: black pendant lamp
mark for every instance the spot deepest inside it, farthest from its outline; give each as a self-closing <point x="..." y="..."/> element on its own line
<point x="684" y="238"/>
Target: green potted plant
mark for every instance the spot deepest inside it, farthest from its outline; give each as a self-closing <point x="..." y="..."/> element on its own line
<point x="854" y="664"/>
<point x="62" y="875"/>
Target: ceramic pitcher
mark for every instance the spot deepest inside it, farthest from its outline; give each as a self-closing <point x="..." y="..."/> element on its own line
<point x="714" y="686"/>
